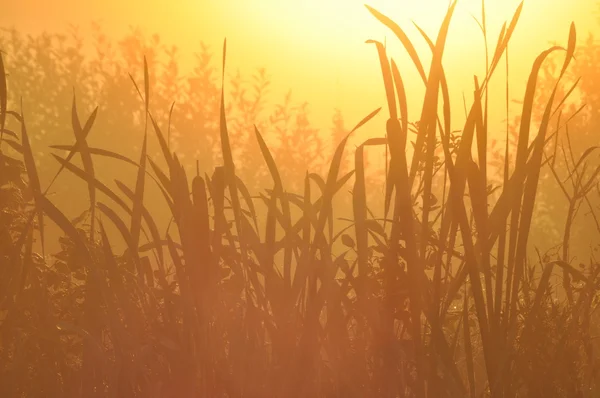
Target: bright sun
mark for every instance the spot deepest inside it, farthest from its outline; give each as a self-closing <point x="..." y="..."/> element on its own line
<point x="338" y="21"/>
<point x="318" y="48"/>
<point x="329" y="29"/>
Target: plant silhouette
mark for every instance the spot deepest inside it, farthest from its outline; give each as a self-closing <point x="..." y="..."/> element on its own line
<point x="186" y="241"/>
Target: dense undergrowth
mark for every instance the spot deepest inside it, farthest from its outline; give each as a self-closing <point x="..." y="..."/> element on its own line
<point x="269" y="294"/>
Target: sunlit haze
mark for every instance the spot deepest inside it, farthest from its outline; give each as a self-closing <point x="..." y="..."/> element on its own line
<point x="161" y="236"/>
<point x="317" y="48"/>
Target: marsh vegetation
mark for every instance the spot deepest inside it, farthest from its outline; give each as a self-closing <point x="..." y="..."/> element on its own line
<point x="249" y="260"/>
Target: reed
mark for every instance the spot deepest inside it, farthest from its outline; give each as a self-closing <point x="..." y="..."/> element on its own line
<point x="267" y="296"/>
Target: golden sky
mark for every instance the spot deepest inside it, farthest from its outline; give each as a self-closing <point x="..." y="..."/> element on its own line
<point x="317" y="47"/>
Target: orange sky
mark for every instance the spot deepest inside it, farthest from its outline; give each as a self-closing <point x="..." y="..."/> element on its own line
<point x="316" y="47"/>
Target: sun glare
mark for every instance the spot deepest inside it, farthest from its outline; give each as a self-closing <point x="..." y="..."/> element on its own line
<point x="317" y="22"/>
<point x="332" y="35"/>
<point x="335" y="26"/>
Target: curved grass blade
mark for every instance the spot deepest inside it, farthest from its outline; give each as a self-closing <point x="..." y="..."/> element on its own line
<point x="387" y="78"/>
<point x="3" y="98"/>
<point x="32" y="174"/>
<point x="97" y="151"/>
<point x="77" y="146"/>
<point x="125" y="233"/>
<point x="149" y="221"/>
<point x="138" y="199"/>
<point x="403" y="39"/>
<point x="91" y="179"/>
